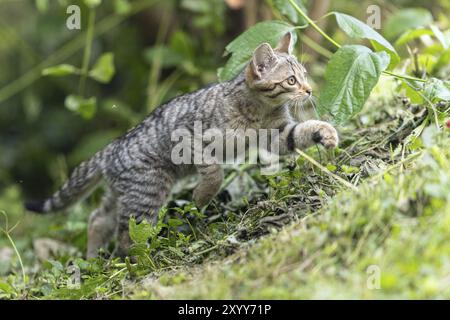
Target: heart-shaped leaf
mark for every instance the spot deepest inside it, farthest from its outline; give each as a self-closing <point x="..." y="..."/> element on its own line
<point x="350" y="76"/>
<point x="355" y="28"/>
<point x="84" y="107"/>
<point x="242" y="47"/>
<point x="103" y="69"/>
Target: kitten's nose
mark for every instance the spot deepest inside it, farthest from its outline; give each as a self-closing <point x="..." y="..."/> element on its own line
<point x="307" y="89"/>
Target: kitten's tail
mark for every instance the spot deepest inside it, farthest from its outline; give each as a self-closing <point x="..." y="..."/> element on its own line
<point x="82" y="181"/>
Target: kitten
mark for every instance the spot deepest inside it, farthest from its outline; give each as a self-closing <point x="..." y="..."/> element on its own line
<point x="138" y="170"/>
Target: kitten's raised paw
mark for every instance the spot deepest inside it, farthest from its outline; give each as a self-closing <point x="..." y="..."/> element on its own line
<point x="326" y="135"/>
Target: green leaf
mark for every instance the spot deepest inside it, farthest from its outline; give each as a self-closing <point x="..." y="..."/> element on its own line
<point x="103" y="70"/>
<point x="5" y="287"/>
<point x="439" y="35"/>
<point x="168" y="56"/>
<point x="394" y="57"/>
<point x="444" y="60"/>
<point x="42" y="5"/>
<point x="174" y="222"/>
<point x="84" y="107"/>
<point x="355" y="28"/>
<point x="435" y="90"/>
<point x="182" y="43"/>
<point x="406" y="19"/>
<point x="60" y="70"/>
<point x="93" y="3"/>
<point x="286" y="9"/>
<point x="140" y="233"/>
<point x="195" y="5"/>
<point x="122" y="6"/>
<point x="242" y="47"/>
<point x="411" y="35"/>
<point x="350" y="76"/>
<point x="349" y="169"/>
<point x="412" y="91"/>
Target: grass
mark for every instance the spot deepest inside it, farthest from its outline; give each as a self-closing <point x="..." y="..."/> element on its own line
<point x="370" y="220"/>
<point x="397" y="227"/>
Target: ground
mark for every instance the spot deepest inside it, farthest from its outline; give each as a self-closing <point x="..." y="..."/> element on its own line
<point x="368" y="220"/>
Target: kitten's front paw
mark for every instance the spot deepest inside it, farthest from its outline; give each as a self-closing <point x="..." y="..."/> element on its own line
<point x="326" y="135"/>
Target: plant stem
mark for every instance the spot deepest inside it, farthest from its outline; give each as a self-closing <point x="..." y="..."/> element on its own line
<point x="18" y="256"/>
<point x="87" y="51"/>
<point x="6" y="231"/>
<point x="337" y="45"/>
<point x="313" y="24"/>
<point x="153" y="98"/>
<point x="328" y="172"/>
<point x="234" y="174"/>
<point x="315" y="46"/>
<point x="410" y="157"/>
<point x="400" y="76"/>
<point x="66" y="51"/>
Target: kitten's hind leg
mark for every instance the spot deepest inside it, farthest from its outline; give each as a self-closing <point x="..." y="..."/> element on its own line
<point x="142" y="194"/>
<point x="211" y="178"/>
<point x="102" y="225"/>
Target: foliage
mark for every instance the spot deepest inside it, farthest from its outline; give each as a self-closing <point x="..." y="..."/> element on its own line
<point x="357" y="29"/>
<point x="242" y="47"/>
<point x="297" y="234"/>
<point x="287" y="10"/>
<point x="407" y="19"/>
<point x="352" y="73"/>
<point x="330" y="255"/>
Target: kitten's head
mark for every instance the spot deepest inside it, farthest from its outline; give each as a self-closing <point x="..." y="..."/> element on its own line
<point x="275" y="74"/>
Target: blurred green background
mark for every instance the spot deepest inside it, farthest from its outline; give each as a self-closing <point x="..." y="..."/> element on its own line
<point x="138" y="54"/>
<point x="160" y="49"/>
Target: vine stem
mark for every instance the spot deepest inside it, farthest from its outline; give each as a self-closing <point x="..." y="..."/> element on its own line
<point x="87" y="51"/>
<point x="325" y="170"/>
<point x="337" y="45"/>
<point x="7" y="231"/>
<point x="18" y="256"/>
<point x="400" y="76"/>
<point x="313" y="24"/>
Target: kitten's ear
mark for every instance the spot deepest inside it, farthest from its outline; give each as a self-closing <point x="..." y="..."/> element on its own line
<point x="263" y="59"/>
<point x="285" y="44"/>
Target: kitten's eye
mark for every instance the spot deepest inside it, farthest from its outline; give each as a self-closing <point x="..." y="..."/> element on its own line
<point x="291" y="80"/>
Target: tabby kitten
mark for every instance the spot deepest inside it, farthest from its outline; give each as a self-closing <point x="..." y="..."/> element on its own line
<point x="137" y="168"/>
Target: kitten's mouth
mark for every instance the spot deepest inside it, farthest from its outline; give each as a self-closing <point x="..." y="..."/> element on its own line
<point x="300" y="99"/>
<point x="299" y="102"/>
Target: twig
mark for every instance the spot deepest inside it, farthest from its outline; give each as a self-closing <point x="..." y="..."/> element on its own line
<point x="407" y="159"/>
<point x="328" y="172"/>
<point x="206" y="250"/>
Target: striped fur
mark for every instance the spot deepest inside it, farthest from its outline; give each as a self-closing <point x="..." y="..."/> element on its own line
<point x="137" y="168"/>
